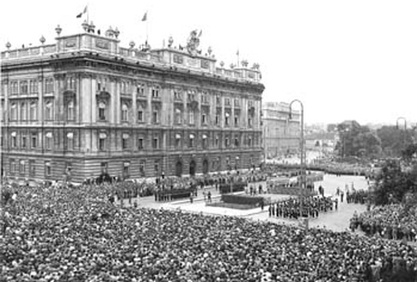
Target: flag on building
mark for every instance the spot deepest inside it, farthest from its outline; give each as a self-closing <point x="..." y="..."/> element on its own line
<point x="82" y="13"/>
<point x="145" y="17"/>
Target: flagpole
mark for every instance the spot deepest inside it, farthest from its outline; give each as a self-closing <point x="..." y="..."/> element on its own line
<point x="147" y="23"/>
<point x="88" y="16"/>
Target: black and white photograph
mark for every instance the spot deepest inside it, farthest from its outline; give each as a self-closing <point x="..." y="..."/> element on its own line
<point x="208" y="141"/>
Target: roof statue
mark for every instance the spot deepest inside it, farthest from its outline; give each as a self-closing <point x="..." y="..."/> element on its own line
<point x="193" y="42"/>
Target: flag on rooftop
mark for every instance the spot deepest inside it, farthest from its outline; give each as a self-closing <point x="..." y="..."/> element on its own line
<point x="82" y="13"/>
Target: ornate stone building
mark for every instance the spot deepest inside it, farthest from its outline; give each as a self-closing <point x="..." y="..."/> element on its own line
<point x="282" y="133"/>
<point x="85" y="105"/>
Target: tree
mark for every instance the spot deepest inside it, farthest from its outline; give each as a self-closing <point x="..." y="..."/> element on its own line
<point x="356" y="140"/>
<point x="397" y="180"/>
<point x="391" y="184"/>
<point x="394" y="140"/>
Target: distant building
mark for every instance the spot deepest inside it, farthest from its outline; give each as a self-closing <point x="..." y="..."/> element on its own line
<point x="282" y="133"/>
<point x="84" y="106"/>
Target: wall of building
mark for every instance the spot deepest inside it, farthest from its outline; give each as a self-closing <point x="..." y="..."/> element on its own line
<point x="73" y="83"/>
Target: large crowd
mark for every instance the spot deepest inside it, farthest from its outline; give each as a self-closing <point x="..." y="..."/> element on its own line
<point x="388" y="222"/>
<point x="76" y="234"/>
<point x="294" y="208"/>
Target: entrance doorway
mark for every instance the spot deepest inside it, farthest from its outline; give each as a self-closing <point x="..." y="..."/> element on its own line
<point x="192" y="168"/>
<point x="178" y="169"/>
<point x="205" y="166"/>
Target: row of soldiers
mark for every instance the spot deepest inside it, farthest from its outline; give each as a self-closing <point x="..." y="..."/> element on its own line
<point x="306" y="207"/>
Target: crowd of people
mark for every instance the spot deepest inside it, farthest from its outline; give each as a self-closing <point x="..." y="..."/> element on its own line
<point x="76" y="234"/>
<point x="387" y="222"/>
<point x="294" y="208"/>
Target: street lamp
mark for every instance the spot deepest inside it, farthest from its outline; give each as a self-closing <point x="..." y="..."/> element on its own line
<point x="405" y="122"/>
<point x="302" y="151"/>
<point x="302" y="154"/>
<point x="345" y="131"/>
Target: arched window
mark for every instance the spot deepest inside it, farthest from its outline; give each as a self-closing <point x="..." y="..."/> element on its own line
<point x="48" y="140"/>
<point x="125" y="111"/>
<point x="125" y="141"/>
<point x="102" y="141"/>
<point x="13" y="111"/>
<point x="70" y="110"/>
<point x="70" y="141"/>
<point x="48" y="110"/>
<point x="191" y="116"/>
<point x="102" y="111"/>
<point x="178" y="116"/>
<point x="33" y="111"/>
<point x="23" y="111"/>
<point x="177" y="140"/>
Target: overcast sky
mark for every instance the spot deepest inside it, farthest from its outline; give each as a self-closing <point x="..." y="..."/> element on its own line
<point x="353" y="59"/>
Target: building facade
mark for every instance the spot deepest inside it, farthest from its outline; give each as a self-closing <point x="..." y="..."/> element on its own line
<point x="282" y="132"/>
<point x="86" y="106"/>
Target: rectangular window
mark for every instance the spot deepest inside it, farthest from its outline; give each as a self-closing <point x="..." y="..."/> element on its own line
<point x="203" y="118"/>
<point x="142" y="165"/>
<point x="227" y="101"/>
<point x="102" y="141"/>
<point x="155" y="117"/>
<point x="217" y="143"/>
<point x="48" y="140"/>
<point x="140" y="143"/>
<point x="102" y="114"/>
<point x="125" y="141"/>
<point x="156" y="167"/>
<point x="34" y="140"/>
<point x="140" y="115"/>
<point x="226" y="142"/>
<point x="250" y="122"/>
<point x="217" y="120"/>
<point x="155" y="92"/>
<point x="102" y="144"/>
<point x="236" y="121"/>
<point x="32" y="168"/>
<point x="140" y="90"/>
<point x="24" y="87"/>
<point x="155" y="143"/>
<point x="14" y="141"/>
<point x="191" y="117"/>
<point x="24" y="142"/>
<point x="49" y="85"/>
<point x="48" y="169"/>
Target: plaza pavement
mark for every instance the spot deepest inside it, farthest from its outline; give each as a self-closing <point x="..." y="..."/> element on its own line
<point x="333" y="220"/>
